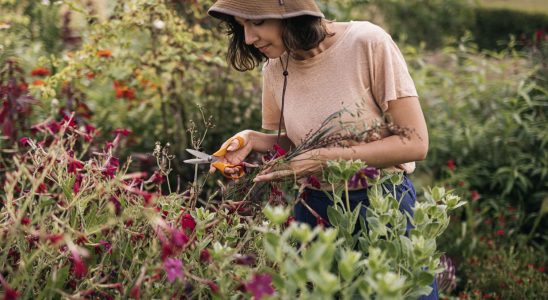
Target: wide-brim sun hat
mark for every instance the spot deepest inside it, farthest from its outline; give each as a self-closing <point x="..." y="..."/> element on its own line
<point x="264" y="9"/>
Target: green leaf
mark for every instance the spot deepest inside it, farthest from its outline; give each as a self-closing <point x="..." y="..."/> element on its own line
<point x="334" y="216"/>
<point x="272" y="246"/>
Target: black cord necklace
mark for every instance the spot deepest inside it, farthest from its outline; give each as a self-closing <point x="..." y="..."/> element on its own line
<point x="285" y="73"/>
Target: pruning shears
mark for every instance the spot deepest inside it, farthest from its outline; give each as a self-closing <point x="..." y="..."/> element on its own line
<point x="213" y="159"/>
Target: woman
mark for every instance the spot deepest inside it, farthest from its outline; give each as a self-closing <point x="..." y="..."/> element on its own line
<point x="315" y="67"/>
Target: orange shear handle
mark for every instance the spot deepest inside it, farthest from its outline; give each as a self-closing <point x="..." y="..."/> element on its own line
<point x="221" y="166"/>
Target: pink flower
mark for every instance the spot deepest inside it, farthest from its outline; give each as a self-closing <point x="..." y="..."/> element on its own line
<point x="188" y="222"/>
<point x="174" y="269"/>
<point x="179" y="238"/>
<point x="260" y="285"/>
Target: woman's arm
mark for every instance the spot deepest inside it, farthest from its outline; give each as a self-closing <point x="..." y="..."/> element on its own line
<point x="387" y="152"/>
<point x="392" y="150"/>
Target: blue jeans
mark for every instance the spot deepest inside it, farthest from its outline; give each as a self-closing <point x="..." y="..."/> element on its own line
<point x="319" y="201"/>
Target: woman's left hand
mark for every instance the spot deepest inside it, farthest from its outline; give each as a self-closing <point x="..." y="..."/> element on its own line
<point x="300" y="166"/>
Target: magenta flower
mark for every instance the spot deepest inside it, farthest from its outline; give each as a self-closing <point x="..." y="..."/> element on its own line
<point x="24" y="141"/>
<point x="178" y="238"/>
<point x="260" y="285"/>
<point x="173" y="268"/>
<point x="360" y="178"/>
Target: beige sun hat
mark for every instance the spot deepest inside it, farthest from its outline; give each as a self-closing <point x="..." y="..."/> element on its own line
<point x="264" y="9"/>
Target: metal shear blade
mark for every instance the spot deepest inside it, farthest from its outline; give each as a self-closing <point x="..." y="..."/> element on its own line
<point x="201" y="158"/>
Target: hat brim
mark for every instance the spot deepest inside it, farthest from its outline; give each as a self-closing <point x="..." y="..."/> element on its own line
<point x="224" y="14"/>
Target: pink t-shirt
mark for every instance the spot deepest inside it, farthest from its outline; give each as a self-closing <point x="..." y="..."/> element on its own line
<point x="362" y="67"/>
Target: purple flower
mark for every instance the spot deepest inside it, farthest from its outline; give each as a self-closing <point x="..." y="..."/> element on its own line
<point x="260" y="285"/>
<point x="360" y="178"/>
<point x="173" y="268"/>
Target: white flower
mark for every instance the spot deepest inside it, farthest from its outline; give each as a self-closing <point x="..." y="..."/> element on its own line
<point x="159" y="24"/>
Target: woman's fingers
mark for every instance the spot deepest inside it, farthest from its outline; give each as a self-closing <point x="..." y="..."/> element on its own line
<point x="234" y="145"/>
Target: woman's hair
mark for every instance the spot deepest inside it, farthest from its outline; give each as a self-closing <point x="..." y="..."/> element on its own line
<point x="299" y="33"/>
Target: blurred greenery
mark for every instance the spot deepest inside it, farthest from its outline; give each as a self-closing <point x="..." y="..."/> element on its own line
<point x="484" y="93"/>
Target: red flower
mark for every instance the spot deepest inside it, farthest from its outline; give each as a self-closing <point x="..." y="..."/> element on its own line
<point x="104" y="53"/>
<point x="188" y="222"/>
<point x="500" y="232"/>
<point x="205" y="257"/>
<point x="39" y="72"/>
<point x="117" y="205"/>
<point x="122" y="131"/>
<point x="260" y="285"/>
<point x="213" y="286"/>
<point x="451" y="165"/>
<point x="74" y="165"/>
<point x="24" y="141"/>
<point x="314" y="182"/>
<point x="123" y="91"/>
<point x="54" y="238"/>
<point x="541" y="269"/>
<point x="25" y="221"/>
<point x="136" y="291"/>
<point x="79" y="268"/>
<point x="474" y="195"/>
<point x="156" y="178"/>
<point x="10" y="294"/>
<point x="90" y="75"/>
<point x="321" y="222"/>
<point x="77" y="183"/>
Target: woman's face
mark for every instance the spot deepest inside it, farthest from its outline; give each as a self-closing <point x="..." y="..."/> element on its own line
<point x="265" y="35"/>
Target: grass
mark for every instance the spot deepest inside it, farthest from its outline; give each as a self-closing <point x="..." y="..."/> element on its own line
<point x="531" y="6"/>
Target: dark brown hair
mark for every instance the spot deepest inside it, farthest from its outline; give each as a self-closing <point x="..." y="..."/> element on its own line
<point x="299" y="33"/>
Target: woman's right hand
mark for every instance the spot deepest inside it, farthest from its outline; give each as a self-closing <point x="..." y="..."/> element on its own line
<point x="235" y="154"/>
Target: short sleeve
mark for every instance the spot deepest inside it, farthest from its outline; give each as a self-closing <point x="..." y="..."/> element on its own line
<point x="390" y="77"/>
<point x="270" y="108"/>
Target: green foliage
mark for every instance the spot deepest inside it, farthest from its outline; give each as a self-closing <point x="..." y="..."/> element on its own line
<point x="506" y="271"/>
<point x="493" y="27"/>
<point x="431" y="22"/>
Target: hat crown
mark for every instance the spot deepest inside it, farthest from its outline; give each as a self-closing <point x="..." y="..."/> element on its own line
<point x="264" y="9"/>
